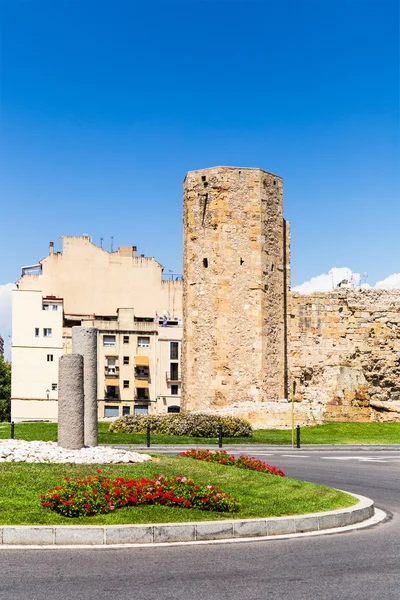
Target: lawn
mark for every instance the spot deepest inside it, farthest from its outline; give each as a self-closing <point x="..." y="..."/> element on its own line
<point x="258" y="494"/>
<point x="331" y="433"/>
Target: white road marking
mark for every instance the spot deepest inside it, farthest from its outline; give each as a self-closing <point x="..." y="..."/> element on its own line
<point x="361" y="458"/>
<point x="296" y="455"/>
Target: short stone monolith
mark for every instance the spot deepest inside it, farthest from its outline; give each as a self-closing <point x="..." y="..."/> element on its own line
<point x="70" y="402"/>
<point x="84" y="342"/>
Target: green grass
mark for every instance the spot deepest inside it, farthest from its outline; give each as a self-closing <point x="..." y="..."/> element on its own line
<point x="331" y="433"/>
<point x="259" y="494"/>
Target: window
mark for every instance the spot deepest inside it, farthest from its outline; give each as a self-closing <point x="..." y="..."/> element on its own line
<point x="174" y="390"/>
<point x="54" y="387"/>
<point x="47" y="332"/>
<point x="109" y="340"/>
<point x="143" y="342"/>
<point x="126" y="341"/>
<point x="126" y="383"/>
<point x="111" y="411"/>
<point x="141" y="372"/>
<point x="46" y="307"/>
<point x="174" y="409"/>
<point x="142" y="394"/>
<point x="126" y="410"/>
<point x="111" y="361"/>
<point x="54" y="307"/>
<point x="36" y="331"/>
<point x="140" y="409"/>
<point x="174" y="371"/>
<point x="49" y="358"/>
<point x="112" y="391"/>
<point x="173" y="350"/>
<point x="126" y="360"/>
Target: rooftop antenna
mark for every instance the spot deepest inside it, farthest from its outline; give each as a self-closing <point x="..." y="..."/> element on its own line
<point x="112" y="243"/>
<point x="101" y="242"/>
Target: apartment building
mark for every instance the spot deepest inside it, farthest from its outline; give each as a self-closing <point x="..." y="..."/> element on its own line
<point x="137" y="312"/>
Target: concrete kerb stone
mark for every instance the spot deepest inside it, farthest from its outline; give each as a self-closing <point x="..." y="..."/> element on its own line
<point x="109" y="535"/>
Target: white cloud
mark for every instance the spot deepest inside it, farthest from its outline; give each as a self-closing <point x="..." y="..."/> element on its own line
<point x="5" y="315"/>
<point x="389" y="283"/>
<point x="327" y="281"/>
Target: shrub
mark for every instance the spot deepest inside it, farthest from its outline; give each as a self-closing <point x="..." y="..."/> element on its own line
<point x="193" y="424"/>
<point x="97" y="494"/>
<point x="223" y="458"/>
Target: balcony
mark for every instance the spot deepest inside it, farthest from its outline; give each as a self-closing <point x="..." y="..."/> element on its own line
<point x="111" y="371"/>
<point x="173" y="376"/>
<point x="142" y="376"/>
<point x="170" y="322"/>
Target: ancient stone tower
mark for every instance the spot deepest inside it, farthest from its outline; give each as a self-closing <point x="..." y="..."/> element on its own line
<point x="236" y="280"/>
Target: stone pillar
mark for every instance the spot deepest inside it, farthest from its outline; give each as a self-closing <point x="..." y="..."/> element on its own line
<point x="84" y="341"/>
<point x="70" y="401"/>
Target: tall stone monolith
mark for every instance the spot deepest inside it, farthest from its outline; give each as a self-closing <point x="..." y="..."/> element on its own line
<point x="84" y="341"/>
<point x="70" y="402"/>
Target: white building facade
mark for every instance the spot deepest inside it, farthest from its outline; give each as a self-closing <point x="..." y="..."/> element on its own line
<point x="138" y="315"/>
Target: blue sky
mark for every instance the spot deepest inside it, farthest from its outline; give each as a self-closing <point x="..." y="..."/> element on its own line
<point x="106" y="104"/>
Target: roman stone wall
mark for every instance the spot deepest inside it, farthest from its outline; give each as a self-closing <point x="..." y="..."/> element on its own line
<point x="344" y="353"/>
<point x="235" y="282"/>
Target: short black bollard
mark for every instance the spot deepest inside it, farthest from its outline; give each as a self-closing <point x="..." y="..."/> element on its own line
<point x="12" y="430"/>
<point x="148" y="436"/>
<point x="298" y="436"/>
<point x="219" y="436"/>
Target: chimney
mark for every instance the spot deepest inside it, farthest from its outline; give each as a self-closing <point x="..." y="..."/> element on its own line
<point x="51" y="248"/>
<point x="134" y="250"/>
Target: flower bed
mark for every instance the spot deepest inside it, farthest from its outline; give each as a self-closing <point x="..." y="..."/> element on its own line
<point x="97" y="494"/>
<point x="223" y="458"/>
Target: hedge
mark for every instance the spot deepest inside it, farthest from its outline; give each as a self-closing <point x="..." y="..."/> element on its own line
<point x="193" y="424"/>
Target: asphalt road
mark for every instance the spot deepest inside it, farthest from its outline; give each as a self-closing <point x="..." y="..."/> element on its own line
<point x="359" y="565"/>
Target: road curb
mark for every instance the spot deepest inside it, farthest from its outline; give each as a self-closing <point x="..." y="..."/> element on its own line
<point x="109" y="535"/>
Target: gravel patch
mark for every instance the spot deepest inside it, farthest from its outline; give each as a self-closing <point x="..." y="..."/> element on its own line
<point x="50" y="452"/>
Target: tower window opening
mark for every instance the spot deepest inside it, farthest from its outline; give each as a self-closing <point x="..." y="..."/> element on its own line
<point x="241" y="261"/>
<point x="272" y="267"/>
<point x="239" y="174"/>
<point x="274" y="182"/>
<point x="205" y="263"/>
<point x="203" y="178"/>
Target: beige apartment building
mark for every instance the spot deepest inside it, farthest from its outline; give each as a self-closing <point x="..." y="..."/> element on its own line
<point x="139" y="317"/>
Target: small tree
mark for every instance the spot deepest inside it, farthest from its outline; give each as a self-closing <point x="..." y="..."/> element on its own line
<point x="5" y="390"/>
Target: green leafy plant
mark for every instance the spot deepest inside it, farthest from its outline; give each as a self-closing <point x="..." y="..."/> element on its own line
<point x="193" y="424"/>
<point x="97" y="494"/>
<point x="5" y="390"/>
